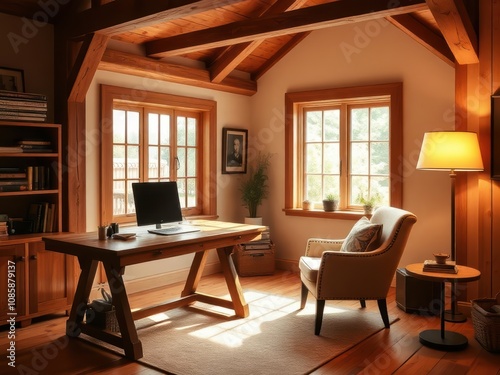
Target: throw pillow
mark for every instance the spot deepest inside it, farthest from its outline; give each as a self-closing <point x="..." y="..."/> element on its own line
<point x="363" y="236"/>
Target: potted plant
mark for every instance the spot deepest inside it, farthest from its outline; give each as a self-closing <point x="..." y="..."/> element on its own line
<point x="306" y="204"/>
<point x="254" y="189"/>
<point x="331" y="202"/>
<point x="368" y="203"/>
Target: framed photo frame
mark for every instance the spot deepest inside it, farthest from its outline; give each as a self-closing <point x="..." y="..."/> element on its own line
<point x="234" y="150"/>
<point x="495" y="137"/>
<point x="11" y="79"/>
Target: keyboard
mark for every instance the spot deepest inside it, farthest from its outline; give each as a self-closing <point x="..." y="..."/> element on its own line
<point x="169" y="231"/>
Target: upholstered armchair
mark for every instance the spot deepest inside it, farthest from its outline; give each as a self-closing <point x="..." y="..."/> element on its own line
<point x="359" y="267"/>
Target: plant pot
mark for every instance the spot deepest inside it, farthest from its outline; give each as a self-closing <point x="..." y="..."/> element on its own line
<point x="306" y="205"/>
<point x="368" y="209"/>
<point x="330" y="206"/>
<point x="253" y="220"/>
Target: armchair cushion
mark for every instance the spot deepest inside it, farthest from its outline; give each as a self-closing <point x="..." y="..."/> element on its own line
<point x="309" y="267"/>
<point x="364" y="236"/>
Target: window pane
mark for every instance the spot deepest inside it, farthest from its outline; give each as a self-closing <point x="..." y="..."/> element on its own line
<point x="331" y="158"/>
<point x="359" y="158"/>
<point x="133" y="127"/>
<point x="379" y="127"/>
<point x="314" y="129"/>
<point x="181" y="158"/>
<point x="379" y="158"/>
<point x="359" y="124"/>
<point x="331" y="185"/>
<point x="133" y="162"/>
<point x="153" y="129"/>
<point x="153" y="167"/>
<point x="118" y="126"/>
<point x="191" y="132"/>
<point x="119" y="204"/>
<point x="314" y="188"/>
<point x="191" y="162"/>
<point x="164" y="129"/>
<point x="313" y="162"/>
<point x="181" y="131"/>
<point x="181" y="186"/>
<point x="191" y="192"/>
<point x="332" y="125"/>
<point x="165" y="162"/>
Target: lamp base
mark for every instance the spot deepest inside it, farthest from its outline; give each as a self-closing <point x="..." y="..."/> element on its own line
<point x="454" y="316"/>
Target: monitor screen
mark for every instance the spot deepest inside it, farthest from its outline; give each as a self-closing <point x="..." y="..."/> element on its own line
<point x="156" y="203"/>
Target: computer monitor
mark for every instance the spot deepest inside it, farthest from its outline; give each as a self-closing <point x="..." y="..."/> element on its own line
<point x="156" y="203"/>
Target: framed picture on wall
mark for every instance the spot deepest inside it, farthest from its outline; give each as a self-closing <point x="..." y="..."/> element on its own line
<point x="12" y="79"/>
<point x="234" y="150"/>
<point x="495" y="137"/>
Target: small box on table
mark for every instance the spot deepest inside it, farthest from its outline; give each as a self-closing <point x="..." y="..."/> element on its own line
<point x="254" y="262"/>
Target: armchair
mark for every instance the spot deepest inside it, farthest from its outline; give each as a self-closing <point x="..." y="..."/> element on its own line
<point x="331" y="274"/>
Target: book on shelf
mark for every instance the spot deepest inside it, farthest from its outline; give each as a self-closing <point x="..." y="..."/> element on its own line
<point x="10" y="188"/>
<point x="15" y="95"/>
<point x="38" y="177"/>
<point x="16" y="174"/>
<point x="43" y="217"/>
<point x="10" y="149"/>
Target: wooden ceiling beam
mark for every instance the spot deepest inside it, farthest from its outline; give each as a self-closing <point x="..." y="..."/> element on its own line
<point x="292" y="22"/>
<point x="232" y="56"/>
<point x="456" y="26"/>
<point x="85" y="66"/>
<point x="126" y="63"/>
<point x="120" y="16"/>
<point x="425" y="36"/>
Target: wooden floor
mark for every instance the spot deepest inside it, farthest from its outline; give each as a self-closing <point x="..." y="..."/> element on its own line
<point x="42" y="348"/>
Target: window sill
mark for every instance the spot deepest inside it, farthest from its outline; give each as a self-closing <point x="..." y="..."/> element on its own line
<point x="339" y="215"/>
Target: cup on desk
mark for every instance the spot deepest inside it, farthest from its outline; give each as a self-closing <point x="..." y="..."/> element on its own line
<point x="441" y="258"/>
<point x="102" y="232"/>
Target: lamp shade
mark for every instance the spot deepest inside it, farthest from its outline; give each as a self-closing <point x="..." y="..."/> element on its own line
<point x="450" y="150"/>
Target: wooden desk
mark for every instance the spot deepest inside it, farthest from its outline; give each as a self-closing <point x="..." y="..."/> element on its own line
<point x="116" y="255"/>
<point x="442" y="339"/>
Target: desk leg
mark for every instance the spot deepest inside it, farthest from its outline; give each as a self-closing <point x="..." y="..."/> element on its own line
<point x="130" y="341"/>
<point x="89" y="268"/>
<point x="195" y="272"/>
<point x="442" y="339"/>
<point x="233" y="283"/>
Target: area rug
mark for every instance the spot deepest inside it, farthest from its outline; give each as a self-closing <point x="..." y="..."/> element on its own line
<point x="277" y="338"/>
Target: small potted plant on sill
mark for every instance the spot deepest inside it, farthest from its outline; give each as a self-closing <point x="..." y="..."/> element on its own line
<point x="330" y="203"/>
<point x="368" y="203"/>
<point x="254" y="189"/>
<point x="306" y="205"/>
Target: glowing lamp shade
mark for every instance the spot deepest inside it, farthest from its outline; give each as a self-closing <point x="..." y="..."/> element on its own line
<point x="450" y="150"/>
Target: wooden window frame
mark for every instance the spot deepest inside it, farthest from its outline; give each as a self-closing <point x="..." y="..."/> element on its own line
<point x="208" y="108"/>
<point x="294" y="143"/>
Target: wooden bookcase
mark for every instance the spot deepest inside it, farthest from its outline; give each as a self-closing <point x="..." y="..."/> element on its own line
<point x="44" y="282"/>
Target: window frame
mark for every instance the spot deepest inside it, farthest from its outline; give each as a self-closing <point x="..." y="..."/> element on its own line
<point x="207" y="190"/>
<point x="294" y="142"/>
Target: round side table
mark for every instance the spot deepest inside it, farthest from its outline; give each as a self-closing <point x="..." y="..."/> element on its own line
<point x="440" y="338"/>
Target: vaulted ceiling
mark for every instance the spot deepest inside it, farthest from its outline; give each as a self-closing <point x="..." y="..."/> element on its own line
<point x="228" y="45"/>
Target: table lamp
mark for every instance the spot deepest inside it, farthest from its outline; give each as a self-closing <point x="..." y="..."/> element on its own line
<point x="451" y="151"/>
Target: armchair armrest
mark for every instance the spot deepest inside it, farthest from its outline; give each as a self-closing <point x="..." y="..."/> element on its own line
<point x="316" y="246"/>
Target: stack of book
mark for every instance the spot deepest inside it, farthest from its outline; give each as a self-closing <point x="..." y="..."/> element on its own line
<point x="4" y="228"/>
<point x="35" y="145"/>
<point x="262" y="242"/>
<point x="433" y="266"/>
<point x="13" y="179"/>
<point x="22" y="106"/>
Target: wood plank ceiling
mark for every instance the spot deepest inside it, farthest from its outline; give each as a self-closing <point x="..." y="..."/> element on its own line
<point x="228" y="45"/>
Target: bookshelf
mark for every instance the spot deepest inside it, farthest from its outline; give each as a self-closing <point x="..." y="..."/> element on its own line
<point x="44" y="280"/>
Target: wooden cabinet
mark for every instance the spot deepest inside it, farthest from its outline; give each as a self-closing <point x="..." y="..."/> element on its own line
<point x="44" y="280"/>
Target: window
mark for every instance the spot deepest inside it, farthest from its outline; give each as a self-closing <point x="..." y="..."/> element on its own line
<point x="345" y="142"/>
<point x="157" y="138"/>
